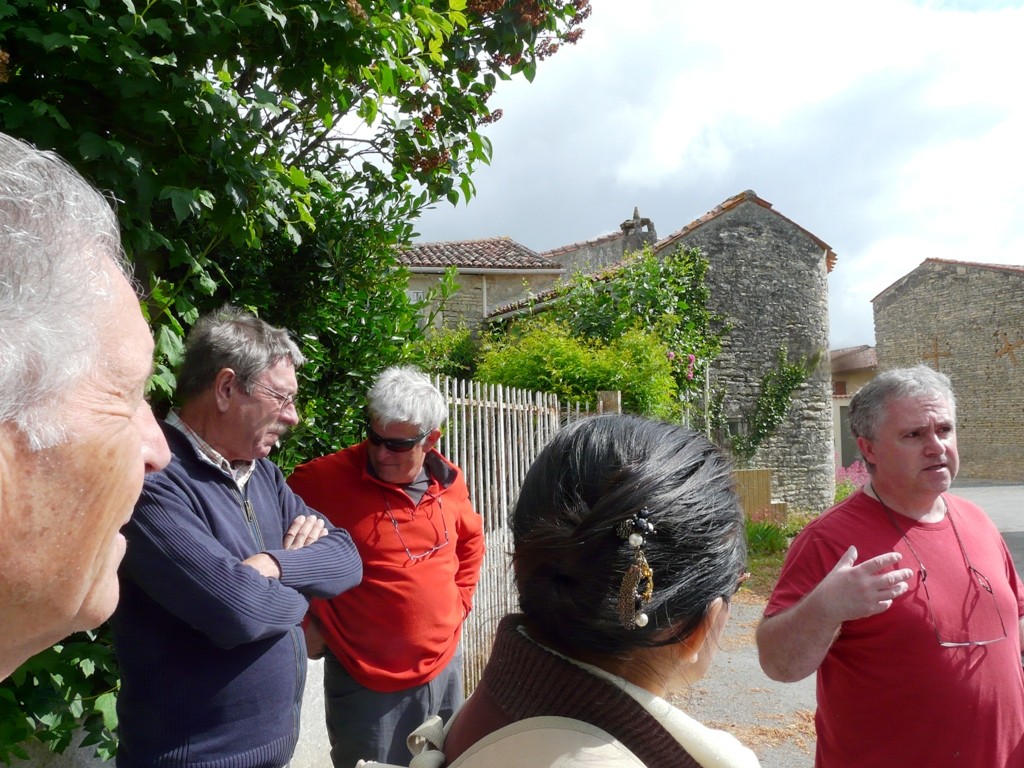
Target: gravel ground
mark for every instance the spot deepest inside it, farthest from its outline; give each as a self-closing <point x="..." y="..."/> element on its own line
<point x="776" y="720"/>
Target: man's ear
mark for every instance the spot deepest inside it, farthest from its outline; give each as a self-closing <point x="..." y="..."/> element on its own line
<point x="226" y="385"/>
<point x="431" y="440"/>
<point x="867" y="450"/>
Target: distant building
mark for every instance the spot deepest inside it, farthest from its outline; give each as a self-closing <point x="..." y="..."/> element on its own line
<point x="491" y="272"/>
<point x="852" y="368"/>
<point x="768" y="276"/>
<point x="965" y="319"/>
<point x="592" y="256"/>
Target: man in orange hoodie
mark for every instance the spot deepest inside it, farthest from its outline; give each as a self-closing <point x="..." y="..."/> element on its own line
<point x="391" y="646"/>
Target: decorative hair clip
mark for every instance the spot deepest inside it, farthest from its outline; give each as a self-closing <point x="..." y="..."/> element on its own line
<point x="638" y="583"/>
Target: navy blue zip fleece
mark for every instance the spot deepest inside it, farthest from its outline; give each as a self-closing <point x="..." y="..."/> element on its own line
<point x="213" y="661"/>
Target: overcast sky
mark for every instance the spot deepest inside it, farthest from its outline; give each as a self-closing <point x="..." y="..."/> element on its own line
<point x="890" y="129"/>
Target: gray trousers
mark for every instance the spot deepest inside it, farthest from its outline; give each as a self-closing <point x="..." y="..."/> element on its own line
<point x="368" y="725"/>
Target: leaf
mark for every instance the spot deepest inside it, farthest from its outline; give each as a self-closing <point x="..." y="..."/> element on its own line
<point x="91" y="146"/>
<point x="106" y="704"/>
<point x="182" y="201"/>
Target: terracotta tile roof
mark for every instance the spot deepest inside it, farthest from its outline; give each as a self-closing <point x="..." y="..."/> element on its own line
<point x="747" y="196"/>
<point x="853" y="359"/>
<point x="489" y="253"/>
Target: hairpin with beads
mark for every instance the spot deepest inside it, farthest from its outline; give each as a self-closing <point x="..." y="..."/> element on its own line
<point x="638" y="583"/>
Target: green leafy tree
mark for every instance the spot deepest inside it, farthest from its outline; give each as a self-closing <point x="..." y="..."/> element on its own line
<point x="661" y="299"/>
<point x="219" y="125"/>
<point x="270" y="154"/>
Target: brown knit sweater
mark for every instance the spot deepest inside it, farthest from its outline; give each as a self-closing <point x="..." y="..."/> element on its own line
<point x="524" y="680"/>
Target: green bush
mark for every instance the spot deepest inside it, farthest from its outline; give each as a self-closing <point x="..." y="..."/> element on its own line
<point x="447" y="352"/>
<point x="666" y="295"/>
<point x="764" y="538"/>
<point x="543" y="355"/>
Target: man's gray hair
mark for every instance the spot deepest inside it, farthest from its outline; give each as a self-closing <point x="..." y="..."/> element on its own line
<point x="233" y="338"/>
<point x="867" y="408"/>
<point x="59" y="249"/>
<point x="406" y="394"/>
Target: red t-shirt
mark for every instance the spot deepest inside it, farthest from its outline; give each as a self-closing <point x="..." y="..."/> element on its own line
<point x="888" y="693"/>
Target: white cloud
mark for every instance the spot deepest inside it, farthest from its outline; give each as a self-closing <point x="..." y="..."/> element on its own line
<point x="889" y="128"/>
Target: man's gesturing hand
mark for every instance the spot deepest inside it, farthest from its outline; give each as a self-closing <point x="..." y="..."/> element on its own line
<point x="854" y="591"/>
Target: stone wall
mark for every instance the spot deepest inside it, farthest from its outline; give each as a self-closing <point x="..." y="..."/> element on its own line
<point x="769" y="278"/>
<point x="966" y="320"/>
<point x="595" y="255"/>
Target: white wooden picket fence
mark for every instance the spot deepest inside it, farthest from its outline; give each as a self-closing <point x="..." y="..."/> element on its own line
<point x="494" y="433"/>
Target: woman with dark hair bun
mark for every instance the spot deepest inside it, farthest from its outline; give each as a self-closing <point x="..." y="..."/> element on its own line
<point x="629" y="544"/>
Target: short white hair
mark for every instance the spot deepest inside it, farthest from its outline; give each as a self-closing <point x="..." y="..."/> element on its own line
<point x="406" y="394"/>
<point x="60" y="247"/>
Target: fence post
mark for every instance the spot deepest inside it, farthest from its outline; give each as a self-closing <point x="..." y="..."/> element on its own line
<point x="609" y="401"/>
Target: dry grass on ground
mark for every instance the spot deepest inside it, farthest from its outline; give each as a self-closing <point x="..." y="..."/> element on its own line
<point x="777" y="729"/>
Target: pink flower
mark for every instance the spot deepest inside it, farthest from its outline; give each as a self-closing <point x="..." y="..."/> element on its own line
<point x="689" y="367"/>
<point x="671" y="355"/>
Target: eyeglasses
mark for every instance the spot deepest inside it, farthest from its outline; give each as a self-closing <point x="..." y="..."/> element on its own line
<point x="440" y="544"/>
<point x="283" y="400"/>
<point x="395" y="445"/>
<point x="977" y="578"/>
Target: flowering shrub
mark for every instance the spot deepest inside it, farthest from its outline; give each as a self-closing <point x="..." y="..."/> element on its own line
<point x="849" y="479"/>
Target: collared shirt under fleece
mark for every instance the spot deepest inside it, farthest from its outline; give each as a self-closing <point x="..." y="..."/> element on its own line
<point x="211" y="653"/>
<point x="508" y="719"/>
<point x="401" y="626"/>
<point x="889" y="695"/>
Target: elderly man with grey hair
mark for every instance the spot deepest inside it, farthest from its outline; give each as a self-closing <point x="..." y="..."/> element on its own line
<point x="76" y="433"/>
<point x="391" y="646"/>
<point x="222" y="561"/>
<point x="905" y="601"/>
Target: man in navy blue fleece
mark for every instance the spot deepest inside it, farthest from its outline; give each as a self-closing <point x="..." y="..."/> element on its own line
<point x="221" y="562"/>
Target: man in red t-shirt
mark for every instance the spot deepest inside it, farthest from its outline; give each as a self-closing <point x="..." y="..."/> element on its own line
<point x="391" y="646"/>
<point x="904" y="600"/>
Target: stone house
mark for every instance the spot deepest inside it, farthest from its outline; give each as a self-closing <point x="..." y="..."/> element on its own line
<point x="592" y="256"/>
<point x="490" y="272"/>
<point x="852" y="368"/>
<point x="768" y="276"/>
<point x="967" y="320"/>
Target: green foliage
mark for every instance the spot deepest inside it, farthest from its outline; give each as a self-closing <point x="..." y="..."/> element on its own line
<point x="271" y="154"/>
<point x="448" y="352"/>
<point x="773" y="399"/>
<point x="765" y="538"/>
<point x="665" y="295"/>
<point x="542" y="354"/>
<point x="224" y="126"/>
<point x="643" y="329"/>
<point x="69" y="686"/>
